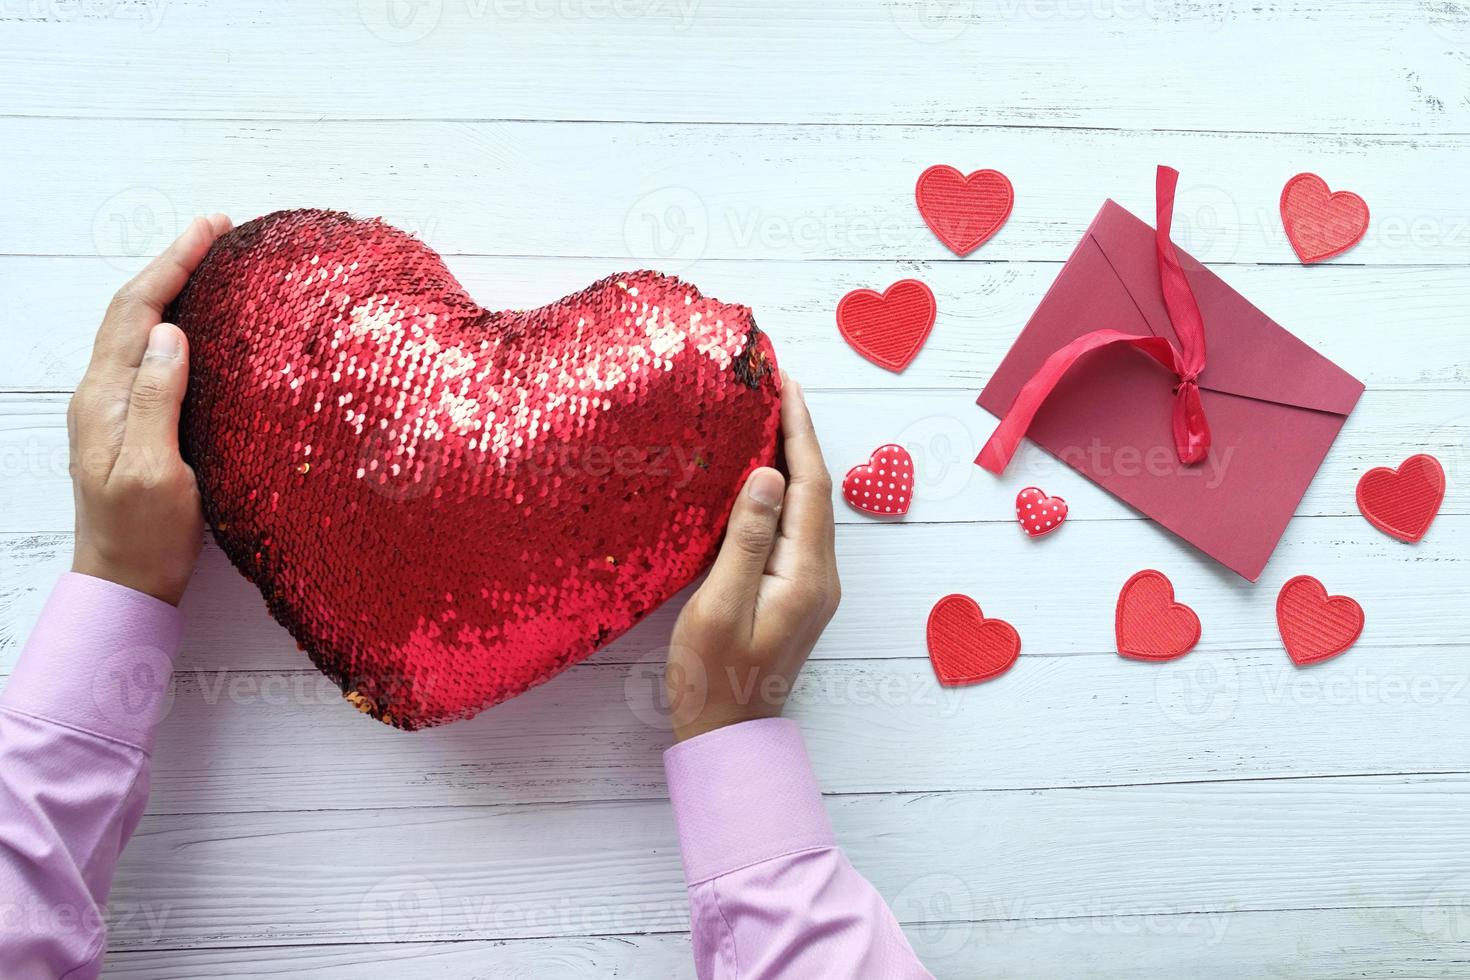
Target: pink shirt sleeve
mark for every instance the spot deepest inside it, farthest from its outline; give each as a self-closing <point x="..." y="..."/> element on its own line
<point x="76" y="726"/>
<point x="770" y="893"/>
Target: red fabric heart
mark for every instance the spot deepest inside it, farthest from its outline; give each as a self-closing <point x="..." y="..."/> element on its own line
<point x="1315" y="626"/>
<point x="963" y="211"/>
<point x="444" y="504"/>
<point x="883" y="485"/>
<point x="1039" y="514"/>
<point x="964" y="646"/>
<point x="1149" y="624"/>
<point x="1319" y="223"/>
<point x="888" y="328"/>
<point x="1403" y="502"/>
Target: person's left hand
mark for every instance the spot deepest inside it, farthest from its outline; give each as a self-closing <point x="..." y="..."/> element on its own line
<point x="744" y="635"/>
<point x="138" y="520"/>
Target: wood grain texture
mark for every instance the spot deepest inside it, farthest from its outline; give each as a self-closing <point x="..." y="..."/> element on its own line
<point x="943" y="430"/>
<point x="1288" y="65"/>
<point x="1226" y="815"/>
<point x="672" y="194"/>
<point x="1059" y="595"/>
<point x="610" y="868"/>
<point x="1416" y="941"/>
<point x="50" y="306"/>
<point x="597" y="733"/>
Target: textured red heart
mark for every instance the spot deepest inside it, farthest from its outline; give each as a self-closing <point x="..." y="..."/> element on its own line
<point x="1149" y="624"/>
<point x="444" y="504"/>
<point x="883" y="485"/>
<point x="1403" y="502"/>
<point x="964" y="646"/>
<point x="1315" y="626"/>
<point x="888" y="328"/>
<point x="1039" y="514"/>
<point x="963" y="211"/>
<point x="1319" y="223"/>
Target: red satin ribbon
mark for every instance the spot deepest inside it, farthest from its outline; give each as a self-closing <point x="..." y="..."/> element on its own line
<point x="1191" y="431"/>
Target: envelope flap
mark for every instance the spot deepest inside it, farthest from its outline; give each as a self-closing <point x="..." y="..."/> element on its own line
<point x="1247" y="353"/>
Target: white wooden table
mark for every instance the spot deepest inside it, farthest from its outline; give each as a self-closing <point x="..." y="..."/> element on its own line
<point x="1225" y="815"/>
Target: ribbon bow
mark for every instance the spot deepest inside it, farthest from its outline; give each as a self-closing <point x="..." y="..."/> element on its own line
<point x="1191" y="431"/>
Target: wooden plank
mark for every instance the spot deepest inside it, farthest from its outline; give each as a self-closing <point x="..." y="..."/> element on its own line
<point x="1364" y="65"/>
<point x="672" y="194"/>
<point x="50" y="306"/>
<point x="598" y="732"/>
<point x="1408" y="591"/>
<point x="943" y="429"/>
<point x="1415" y="941"/>
<point x="637" y="957"/>
<point x="286" y="105"/>
<point x="415" y="875"/>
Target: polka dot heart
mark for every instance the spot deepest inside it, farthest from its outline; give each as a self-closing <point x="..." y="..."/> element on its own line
<point x="1038" y="513"/>
<point x="884" y="485"/>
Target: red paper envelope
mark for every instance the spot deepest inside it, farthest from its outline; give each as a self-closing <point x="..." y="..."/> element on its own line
<point x="1273" y="404"/>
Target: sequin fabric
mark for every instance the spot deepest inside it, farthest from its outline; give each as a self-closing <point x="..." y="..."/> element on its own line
<point x="447" y="505"/>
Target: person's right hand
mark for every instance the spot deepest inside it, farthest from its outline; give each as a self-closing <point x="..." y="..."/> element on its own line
<point x="745" y="634"/>
<point x="138" y="520"/>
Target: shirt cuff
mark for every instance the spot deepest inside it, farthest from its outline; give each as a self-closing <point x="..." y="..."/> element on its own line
<point x="744" y="794"/>
<point x="100" y="659"/>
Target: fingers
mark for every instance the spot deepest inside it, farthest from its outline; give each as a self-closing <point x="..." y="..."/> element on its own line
<point x="98" y="417"/>
<point x="160" y="281"/>
<point x="151" y="437"/>
<point x="736" y="575"/>
<point x="140" y="303"/>
<point x="807" y="514"/>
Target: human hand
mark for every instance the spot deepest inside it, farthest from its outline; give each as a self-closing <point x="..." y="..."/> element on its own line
<point x="744" y="635"/>
<point x="138" y="520"/>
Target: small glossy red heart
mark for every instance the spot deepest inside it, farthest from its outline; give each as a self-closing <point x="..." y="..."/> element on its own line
<point x="963" y="210"/>
<point x="883" y="485"/>
<point x="964" y="646"/>
<point x="1038" y="513"/>
<point x="888" y="328"/>
<point x="1149" y="624"/>
<point x="1320" y="223"/>
<point x="1314" y="625"/>
<point x="1403" y="502"/>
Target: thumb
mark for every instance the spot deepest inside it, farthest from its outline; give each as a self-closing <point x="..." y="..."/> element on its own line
<point x="158" y="393"/>
<point x="751" y="534"/>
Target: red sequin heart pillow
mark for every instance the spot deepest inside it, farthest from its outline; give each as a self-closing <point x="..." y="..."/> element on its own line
<point x="444" y="504"/>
